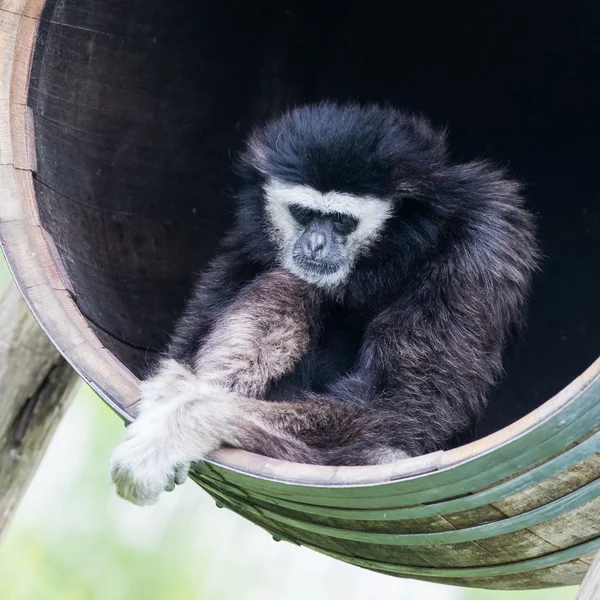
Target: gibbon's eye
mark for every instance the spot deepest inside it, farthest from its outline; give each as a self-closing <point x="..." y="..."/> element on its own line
<point x="344" y="224"/>
<point x="301" y="214"/>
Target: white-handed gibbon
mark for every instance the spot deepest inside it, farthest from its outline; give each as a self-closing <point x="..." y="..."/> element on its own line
<point x="358" y="311"/>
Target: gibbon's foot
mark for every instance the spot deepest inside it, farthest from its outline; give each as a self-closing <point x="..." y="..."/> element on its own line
<point x="180" y="420"/>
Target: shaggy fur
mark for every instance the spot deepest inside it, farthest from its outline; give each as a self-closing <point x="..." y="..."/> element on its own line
<point x="391" y="359"/>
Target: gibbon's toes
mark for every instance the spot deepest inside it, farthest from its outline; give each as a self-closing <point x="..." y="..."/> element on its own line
<point x="178" y="476"/>
<point x="181" y="473"/>
<point x="141" y="472"/>
<point x="165" y="436"/>
<point x="142" y="490"/>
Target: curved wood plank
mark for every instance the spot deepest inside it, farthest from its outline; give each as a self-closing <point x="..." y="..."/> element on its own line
<point x="467" y="502"/>
<point x="545" y="513"/>
<point x="466" y="573"/>
<point x="540" y="443"/>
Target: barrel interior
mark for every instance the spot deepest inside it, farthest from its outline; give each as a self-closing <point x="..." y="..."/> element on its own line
<point x="139" y="105"/>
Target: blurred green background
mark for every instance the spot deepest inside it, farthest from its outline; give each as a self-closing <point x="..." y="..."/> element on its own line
<point x="73" y="539"/>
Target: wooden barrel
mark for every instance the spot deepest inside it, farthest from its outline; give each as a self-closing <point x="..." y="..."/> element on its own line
<point x="117" y="122"/>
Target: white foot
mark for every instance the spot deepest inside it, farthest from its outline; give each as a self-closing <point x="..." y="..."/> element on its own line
<point x="180" y="420"/>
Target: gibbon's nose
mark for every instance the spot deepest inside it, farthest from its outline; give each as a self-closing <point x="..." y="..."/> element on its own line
<point x="316" y="241"/>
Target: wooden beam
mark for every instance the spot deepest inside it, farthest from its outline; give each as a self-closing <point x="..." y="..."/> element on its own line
<point x="590" y="588"/>
<point x="36" y="386"/>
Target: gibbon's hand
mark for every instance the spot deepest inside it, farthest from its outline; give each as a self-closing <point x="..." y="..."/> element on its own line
<point x="180" y="420"/>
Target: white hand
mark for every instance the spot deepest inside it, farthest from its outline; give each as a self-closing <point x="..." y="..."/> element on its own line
<point x="180" y="420"/>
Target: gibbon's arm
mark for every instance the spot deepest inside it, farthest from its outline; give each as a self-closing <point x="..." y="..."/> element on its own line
<point x="214" y="291"/>
<point x="429" y="360"/>
<point x="423" y="372"/>
<point x="188" y="412"/>
<point x="261" y="336"/>
<point x="191" y="407"/>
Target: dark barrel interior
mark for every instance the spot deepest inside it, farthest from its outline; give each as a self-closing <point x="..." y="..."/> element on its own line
<point x="140" y="104"/>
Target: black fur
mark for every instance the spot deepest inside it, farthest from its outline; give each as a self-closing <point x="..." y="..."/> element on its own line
<point x="412" y="343"/>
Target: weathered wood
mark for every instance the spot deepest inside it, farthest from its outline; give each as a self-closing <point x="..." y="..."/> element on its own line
<point x="36" y="386"/>
<point x="574" y="459"/>
<point x="565" y="418"/>
<point x="590" y="587"/>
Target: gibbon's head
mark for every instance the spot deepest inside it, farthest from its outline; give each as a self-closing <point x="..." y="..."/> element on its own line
<point x="324" y="183"/>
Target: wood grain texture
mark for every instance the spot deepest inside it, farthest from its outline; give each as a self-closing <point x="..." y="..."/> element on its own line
<point x="29" y="250"/>
<point x="590" y="587"/>
<point x="133" y="121"/>
<point x="37" y="385"/>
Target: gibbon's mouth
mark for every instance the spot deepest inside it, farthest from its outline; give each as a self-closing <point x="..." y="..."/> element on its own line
<point x="319" y="267"/>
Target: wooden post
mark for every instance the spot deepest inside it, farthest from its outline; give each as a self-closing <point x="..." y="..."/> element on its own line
<point x="590" y="588"/>
<point x="36" y="385"/>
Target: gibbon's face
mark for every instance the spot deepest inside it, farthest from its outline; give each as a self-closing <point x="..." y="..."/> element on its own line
<point x="319" y="236"/>
<point x="322" y="180"/>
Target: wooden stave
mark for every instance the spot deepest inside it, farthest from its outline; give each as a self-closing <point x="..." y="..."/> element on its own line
<point x="547" y="512"/>
<point x="582" y="413"/>
<point x="41" y="284"/>
<point x="561" y="463"/>
<point x="502" y="576"/>
<point x="524" y="521"/>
